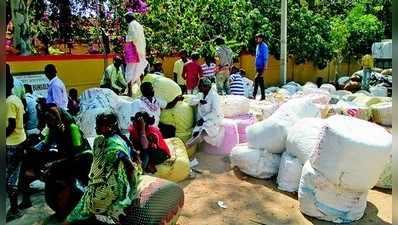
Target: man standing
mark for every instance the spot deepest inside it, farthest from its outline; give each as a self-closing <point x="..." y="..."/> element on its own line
<point x="134" y="50"/>
<point x="32" y="119"/>
<point x="225" y="60"/>
<point x="192" y="72"/>
<point x="113" y="76"/>
<point x="178" y="68"/>
<point x="261" y="65"/>
<point x="56" y="89"/>
<point x="15" y="138"/>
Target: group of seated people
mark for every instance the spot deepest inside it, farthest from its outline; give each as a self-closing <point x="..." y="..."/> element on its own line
<point x="117" y="160"/>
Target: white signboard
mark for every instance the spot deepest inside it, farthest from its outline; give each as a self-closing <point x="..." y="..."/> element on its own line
<point x="38" y="80"/>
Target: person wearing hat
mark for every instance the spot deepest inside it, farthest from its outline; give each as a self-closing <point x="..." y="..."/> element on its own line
<point x="113" y="77"/>
<point x="224" y="56"/>
<point x="209" y="115"/>
<point x="261" y="65"/>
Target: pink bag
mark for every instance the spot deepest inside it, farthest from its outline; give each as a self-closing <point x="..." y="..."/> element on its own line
<point x="242" y="122"/>
<point x="130" y="53"/>
<point x="227" y="143"/>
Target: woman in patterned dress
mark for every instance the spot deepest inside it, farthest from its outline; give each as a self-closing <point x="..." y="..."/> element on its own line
<point x="114" y="177"/>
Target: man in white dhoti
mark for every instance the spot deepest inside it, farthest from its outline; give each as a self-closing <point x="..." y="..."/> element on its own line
<point x="209" y="116"/>
<point x="134" y="50"/>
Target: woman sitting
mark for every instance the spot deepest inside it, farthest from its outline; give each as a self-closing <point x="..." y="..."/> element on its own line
<point x="148" y="140"/>
<point x="113" y="177"/>
<point x="209" y="116"/>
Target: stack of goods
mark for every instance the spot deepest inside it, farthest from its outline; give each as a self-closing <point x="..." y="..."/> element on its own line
<point x="262" y="109"/>
<point x="268" y="138"/>
<point x="176" y="168"/>
<point x="336" y="179"/>
<point x="234" y="105"/>
<point x="165" y="88"/>
<point x="302" y="138"/>
<point x="227" y="140"/>
<point x="292" y="87"/>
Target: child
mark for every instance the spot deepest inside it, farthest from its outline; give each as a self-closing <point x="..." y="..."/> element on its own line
<point x="209" y="69"/>
<point x="192" y="72"/>
<point x="236" y="84"/>
<point x="73" y="102"/>
<point x="149" y="141"/>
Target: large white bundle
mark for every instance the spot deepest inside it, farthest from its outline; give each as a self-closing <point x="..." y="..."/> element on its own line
<point x="352" y="152"/>
<point x="86" y="120"/>
<point x="379" y="91"/>
<point x="385" y="179"/>
<point x="319" y="98"/>
<point x="97" y="98"/>
<point x="255" y="162"/>
<point x="309" y="85"/>
<point x="328" y="87"/>
<point x="234" y="105"/>
<point x="303" y="137"/>
<point x="382" y="113"/>
<point x="271" y="133"/>
<point x="262" y="109"/>
<point x="125" y="110"/>
<point x="289" y="173"/>
<point x="320" y="198"/>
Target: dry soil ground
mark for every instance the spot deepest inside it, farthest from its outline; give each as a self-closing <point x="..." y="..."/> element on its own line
<point x="249" y="201"/>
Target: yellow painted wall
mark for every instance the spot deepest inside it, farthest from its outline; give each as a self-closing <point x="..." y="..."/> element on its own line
<point x="87" y="73"/>
<point x="79" y="74"/>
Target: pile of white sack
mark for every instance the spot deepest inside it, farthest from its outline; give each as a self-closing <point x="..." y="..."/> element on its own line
<point x="234" y="105"/>
<point x="335" y="178"/>
<point x="95" y="101"/>
<point x="267" y="139"/>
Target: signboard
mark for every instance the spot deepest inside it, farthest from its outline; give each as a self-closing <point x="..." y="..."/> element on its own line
<point x="38" y="80"/>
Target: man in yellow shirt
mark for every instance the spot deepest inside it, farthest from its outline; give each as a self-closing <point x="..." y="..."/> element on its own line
<point x="15" y="138"/>
<point x="178" y="68"/>
<point x="114" y="76"/>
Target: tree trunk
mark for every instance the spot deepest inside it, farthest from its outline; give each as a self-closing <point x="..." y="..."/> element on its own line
<point x="21" y="36"/>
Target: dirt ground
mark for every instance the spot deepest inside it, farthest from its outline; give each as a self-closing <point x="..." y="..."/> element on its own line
<point x="249" y="201"/>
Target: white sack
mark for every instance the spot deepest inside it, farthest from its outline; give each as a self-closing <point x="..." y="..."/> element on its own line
<point x="382" y="113"/>
<point x="320" y="198"/>
<point x="379" y="91"/>
<point x="125" y="110"/>
<point x="87" y="121"/>
<point x="352" y="152"/>
<point x="385" y="179"/>
<point x="234" y="105"/>
<point x="97" y="98"/>
<point x="289" y="173"/>
<point x="303" y="137"/>
<point x="271" y="133"/>
<point x="262" y="109"/>
<point x="255" y="162"/>
<point x="328" y="87"/>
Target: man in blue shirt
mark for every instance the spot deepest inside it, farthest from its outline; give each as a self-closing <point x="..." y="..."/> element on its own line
<point x="261" y="65"/>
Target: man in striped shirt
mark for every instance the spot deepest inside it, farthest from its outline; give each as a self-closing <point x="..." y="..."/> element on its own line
<point x="224" y="55"/>
<point x="209" y="69"/>
<point x="236" y="84"/>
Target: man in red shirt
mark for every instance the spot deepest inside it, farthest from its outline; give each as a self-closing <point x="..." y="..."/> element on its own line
<point x="192" y="72"/>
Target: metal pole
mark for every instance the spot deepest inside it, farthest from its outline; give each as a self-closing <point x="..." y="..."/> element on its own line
<point x="283" y="54"/>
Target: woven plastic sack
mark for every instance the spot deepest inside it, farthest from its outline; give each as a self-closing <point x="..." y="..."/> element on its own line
<point x="165" y="88"/>
<point x="234" y="105"/>
<point x="160" y="202"/>
<point x="382" y="113"/>
<point x="303" y="138"/>
<point x="87" y="121"/>
<point x="255" y="162"/>
<point x="177" y="167"/>
<point x="385" y="179"/>
<point x="354" y="110"/>
<point x="262" y="109"/>
<point x="358" y="159"/>
<point x="320" y="198"/>
<point x="125" y="110"/>
<point x="379" y="91"/>
<point x="242" y="122"/>
<point x="181" y="116"/>
<point x="289" y="173"/>
<point x="366" y="101"/>
<point x="328" y="87"/>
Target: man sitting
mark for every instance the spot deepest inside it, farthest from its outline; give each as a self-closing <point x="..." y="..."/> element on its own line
<point x="114" y="76"/>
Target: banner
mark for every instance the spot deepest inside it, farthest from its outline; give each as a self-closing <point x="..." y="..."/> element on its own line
<point x="38" y="80"/>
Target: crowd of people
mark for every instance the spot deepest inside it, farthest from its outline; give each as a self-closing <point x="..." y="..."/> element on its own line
<point x="44" y="141"/>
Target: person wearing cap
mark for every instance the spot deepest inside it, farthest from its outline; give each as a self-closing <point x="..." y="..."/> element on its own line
<point x="113" y="77"/>
<point x="224" y="58"/>
<point x="209" y="115"/>
<point x="261" y="65"/>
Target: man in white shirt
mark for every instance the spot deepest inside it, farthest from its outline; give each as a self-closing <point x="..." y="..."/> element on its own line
<point x="56" y="89"/>
<point x="151" y="104"/>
